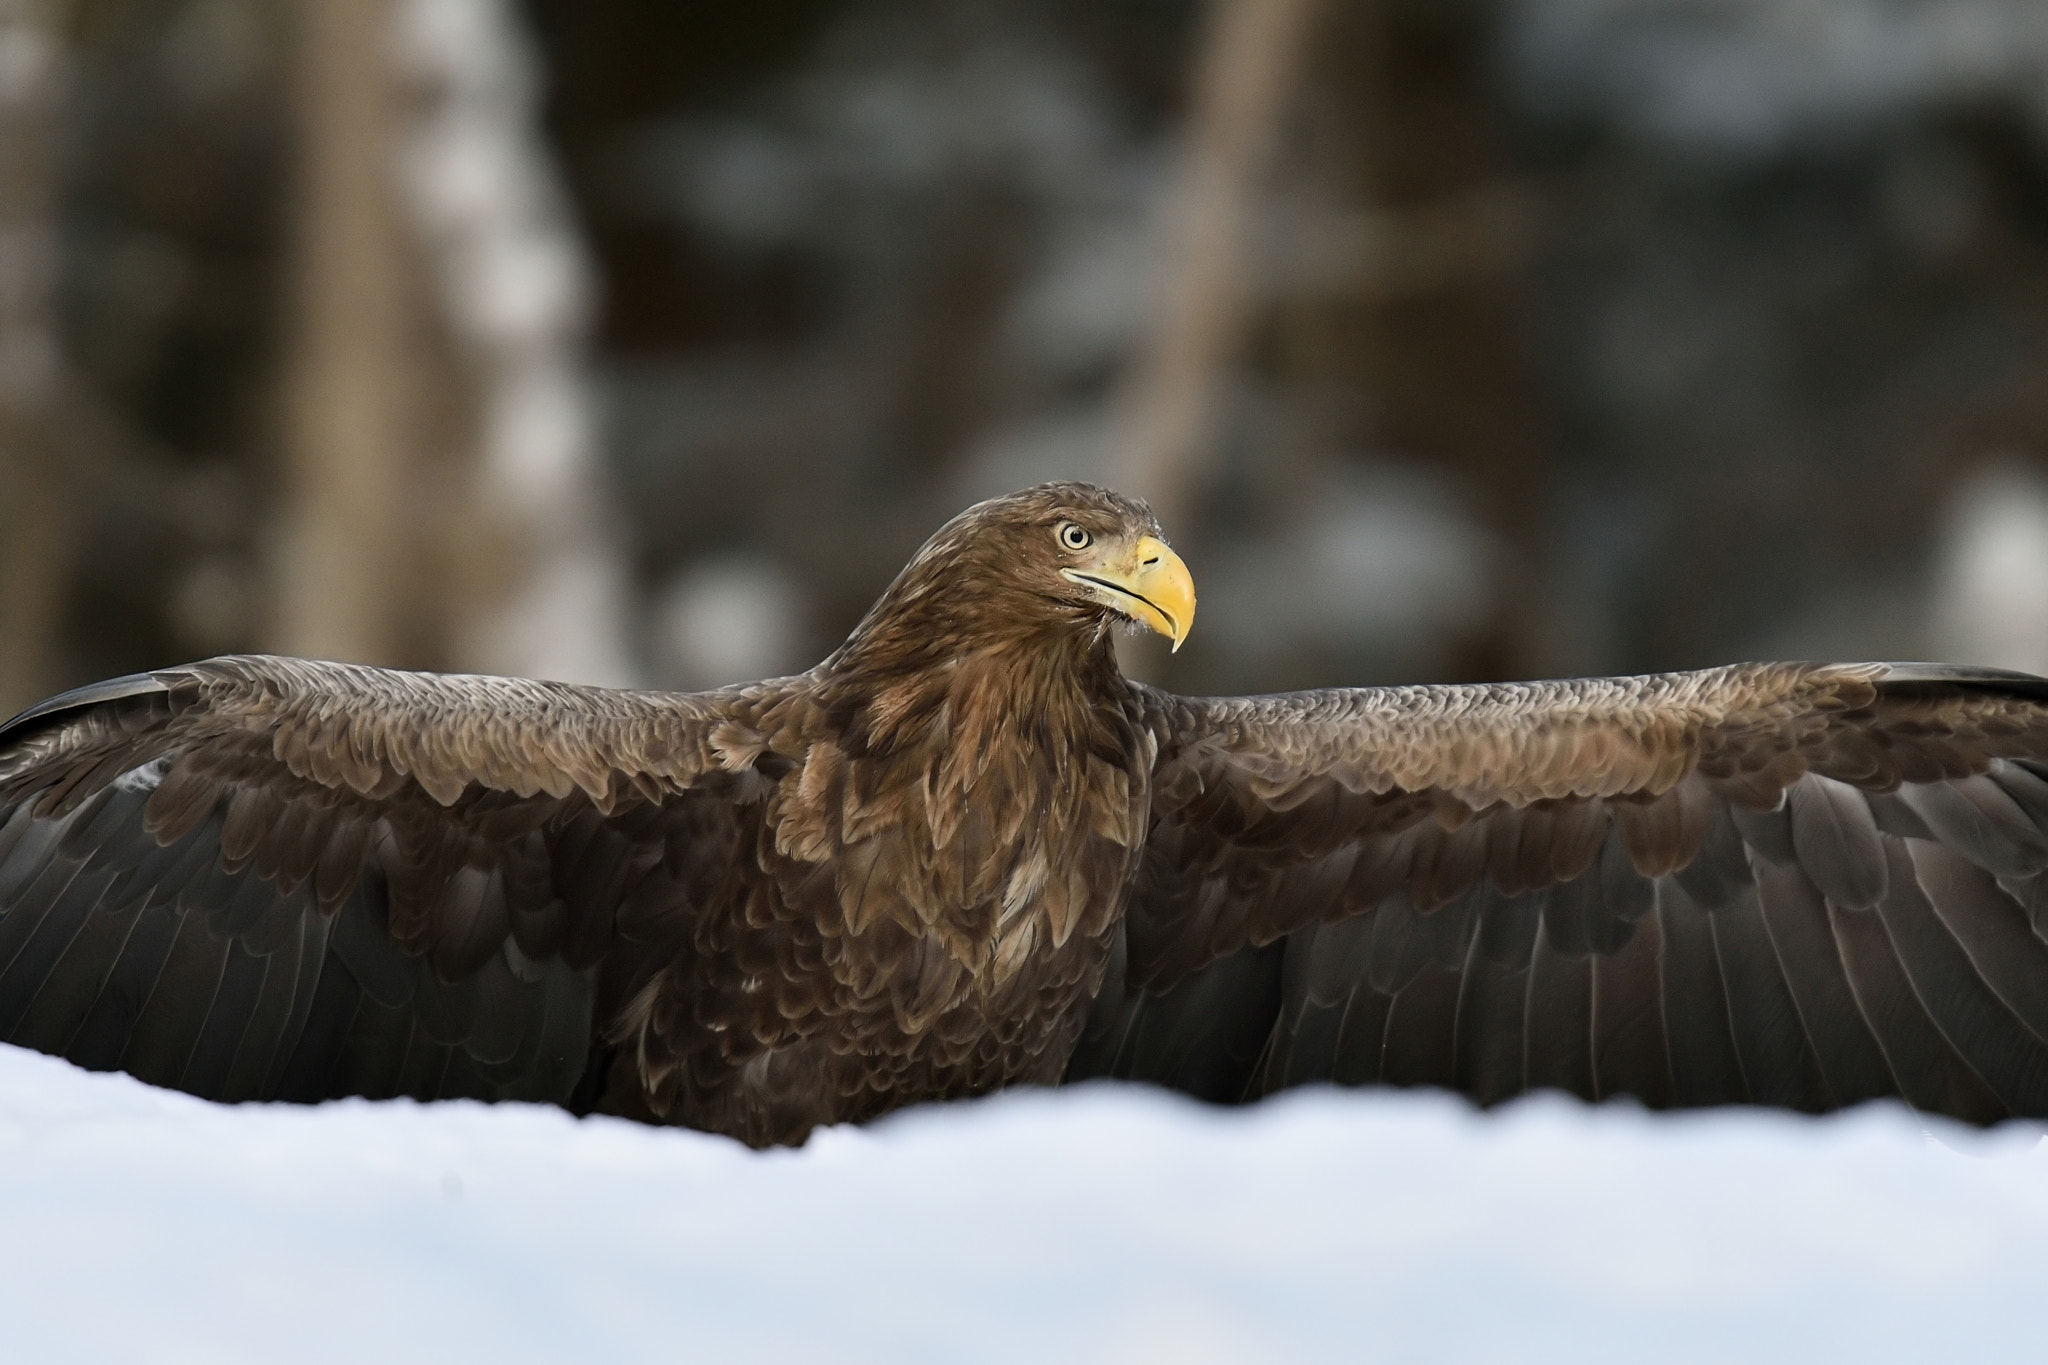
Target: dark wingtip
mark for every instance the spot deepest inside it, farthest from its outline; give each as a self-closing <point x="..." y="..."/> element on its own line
<point x="77" y="699"/>
<point x="2004" y="680"/>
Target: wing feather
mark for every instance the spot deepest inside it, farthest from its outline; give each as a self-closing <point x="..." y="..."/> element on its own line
<point x="59" y="907"/>
<point x="227" y="1019"/>
<point x="1789" y="884"/>
<point x="1992" y="929"/>
<point x="1418" y="1042"/>
<point x="167" y="1026"/>
<point x="1337" y="992"/>
<point x="1834" y="837"/>
<point x="1929" y="1072"/>
<point x="1796" y="917"/>
<point x="1995" y="1045"/>
<point x="1706" y="1068"/>
<point x="1630" y="1054"/>
<point x="1489" y="1038"/>
<point x="267" y="1069"/>
<point x="1777" y="1059"/>
<point x="273" y="878"/>
<point x="53" y="1012"/>
<point x="1557" y="1027"/>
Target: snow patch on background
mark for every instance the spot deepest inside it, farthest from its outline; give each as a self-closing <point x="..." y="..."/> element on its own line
<point x="1098" y="1224"/>
<point x="1991" y="572"/>
<point x="1757" y="76"/>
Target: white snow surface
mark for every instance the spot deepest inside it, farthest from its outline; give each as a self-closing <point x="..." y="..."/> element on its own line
<point x="1093" y="1224"/>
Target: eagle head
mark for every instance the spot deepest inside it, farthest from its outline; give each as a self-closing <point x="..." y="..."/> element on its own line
<point x="1065" y="557"/>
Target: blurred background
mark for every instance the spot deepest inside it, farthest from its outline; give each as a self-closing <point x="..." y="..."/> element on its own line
<point x="643" y="340"/>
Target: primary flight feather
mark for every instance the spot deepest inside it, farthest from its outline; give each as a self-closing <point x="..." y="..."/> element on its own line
<point x="965" y="852"/>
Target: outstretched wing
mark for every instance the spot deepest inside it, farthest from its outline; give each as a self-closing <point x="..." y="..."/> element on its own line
<point x="1796" y="885"/>
<point x="260" y="878"/>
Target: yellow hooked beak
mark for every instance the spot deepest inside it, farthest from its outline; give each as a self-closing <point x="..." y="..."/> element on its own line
<point x="1152" y="586"/>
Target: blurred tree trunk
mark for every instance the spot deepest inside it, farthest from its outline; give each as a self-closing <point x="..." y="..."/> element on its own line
<point x="442" y="500"/>
<point x="33" y="571"/>
<point x="1250" y="62"/>
<point x="351" y="578"/>
<point x="530" y="559"/>
<point x="1343" y="232"/>
<point x="1428" y="312"/>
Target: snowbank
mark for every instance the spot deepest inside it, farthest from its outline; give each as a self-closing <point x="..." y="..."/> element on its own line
<point x="1098" y="1224"/>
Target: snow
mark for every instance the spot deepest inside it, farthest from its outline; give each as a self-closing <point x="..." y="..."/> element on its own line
<point x="1095" y="1224"/>
<point x="1762" y="75"/>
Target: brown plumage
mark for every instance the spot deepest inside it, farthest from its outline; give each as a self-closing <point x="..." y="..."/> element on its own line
<point x="964" y="852"/>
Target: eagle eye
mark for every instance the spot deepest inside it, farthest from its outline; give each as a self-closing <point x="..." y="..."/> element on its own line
<point x="1074" y="537"/>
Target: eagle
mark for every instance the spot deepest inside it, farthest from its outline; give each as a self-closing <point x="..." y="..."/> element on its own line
<point x="966" y="852"/>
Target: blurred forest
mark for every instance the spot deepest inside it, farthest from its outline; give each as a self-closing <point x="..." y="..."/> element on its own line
<point x="643" y="340"/>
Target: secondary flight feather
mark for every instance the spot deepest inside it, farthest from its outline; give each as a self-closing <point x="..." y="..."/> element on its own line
<point x="965" y="852"/>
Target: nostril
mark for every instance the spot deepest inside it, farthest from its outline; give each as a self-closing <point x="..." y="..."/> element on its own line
<point x="1150" y="562"/>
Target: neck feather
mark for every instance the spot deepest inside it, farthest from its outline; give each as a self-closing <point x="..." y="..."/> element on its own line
<point x="897" y="678"/>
